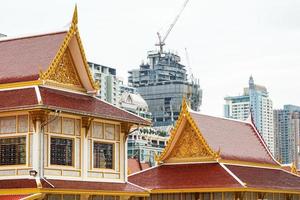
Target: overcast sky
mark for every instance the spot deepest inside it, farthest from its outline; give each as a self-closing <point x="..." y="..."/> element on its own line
<point x="227" y="40"/>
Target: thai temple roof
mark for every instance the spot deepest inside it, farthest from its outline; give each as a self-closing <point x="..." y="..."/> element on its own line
<point x="206" y="152"/>
<point x="23" y="58"/>
<point x="236" y="140"/>
<point x="50" y="71"/>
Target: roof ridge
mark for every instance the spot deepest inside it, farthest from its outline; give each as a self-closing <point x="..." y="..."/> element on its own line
<point x="218" y="117"/>
<point x="263" y="143"/>
<point x="28" y="36"/>
<point x="233" y="175"/>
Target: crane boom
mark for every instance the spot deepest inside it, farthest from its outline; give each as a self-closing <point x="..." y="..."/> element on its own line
<point x="161" y="42"/>
<point x="175" y="20"/>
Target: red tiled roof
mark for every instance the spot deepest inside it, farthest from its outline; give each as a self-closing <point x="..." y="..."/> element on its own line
<point x="235" y="140"/>
<point x="266" y="178"/>
<point x="17" y="184"/>
<point x="86" y="104"/>
<point x="88" y="185"/>
<point x="17" y="98"/>
<point x="135" y="166"/>
<point x="12" y="197"/>
<point x="68" y="184"/>
<point x="185" y="176"/>
<point x="66" y="101"/>
<point x="22" y="58"/>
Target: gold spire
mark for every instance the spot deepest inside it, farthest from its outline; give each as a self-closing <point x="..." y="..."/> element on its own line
<point x="75" y="16"/>
<point x="294" y="168"/>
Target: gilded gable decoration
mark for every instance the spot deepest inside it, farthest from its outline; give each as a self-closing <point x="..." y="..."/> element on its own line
<point x="65" y="71"/>
<point x="63" y="58"/>
<point x="189" y="144"/>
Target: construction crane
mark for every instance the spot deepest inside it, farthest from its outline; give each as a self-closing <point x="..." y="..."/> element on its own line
<point x="161" y="41"/>
<point x="188" y="65"/>
<point x="190" y="87"/>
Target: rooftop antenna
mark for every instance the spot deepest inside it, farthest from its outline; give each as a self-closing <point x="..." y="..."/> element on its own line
<point x="161" y="40"/>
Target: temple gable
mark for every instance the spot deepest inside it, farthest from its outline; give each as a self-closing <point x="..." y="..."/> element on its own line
<point x="65" y="72"/>
<point x="69" y="68"/>
<point x="189" y="146"/>
<point x="186" y="143"/>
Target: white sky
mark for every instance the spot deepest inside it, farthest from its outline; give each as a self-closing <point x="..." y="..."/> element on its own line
<point x="227" y="40"/>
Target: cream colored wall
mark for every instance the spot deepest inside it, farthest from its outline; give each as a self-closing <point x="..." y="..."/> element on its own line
<point x="7" y="131"/>
<point x="82" y="168"/>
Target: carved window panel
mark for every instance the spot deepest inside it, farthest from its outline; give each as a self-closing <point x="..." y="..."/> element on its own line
<point x="98" y="130"/>
<point x="8" y="124"/>
<point x="77" y="153"/>
<point x="109" y="197"/>
<point x="117" y="147"/>
<point x="77" y="127"/>
<point x="61" y="151"/>
<point x="62" y="197"/>
<point x="109" y="131"/>
<point x="53" y="197"/>
<point x="22" y="123"/>
<point x="96" y="197"/>
<point x="103" y="155"/>
<point x="30" y="149"/>
<point x="55" y="124"/>
<point x="101" y="197"/>
<point x="230" y="195"/>
<point x="31" y="126"/>
<point x="117" y="133"/>
<point x="13" y="151"/>
<point x="217" y="196"/>
<point x="46" y="142"/>
<point x="68" y="126"/>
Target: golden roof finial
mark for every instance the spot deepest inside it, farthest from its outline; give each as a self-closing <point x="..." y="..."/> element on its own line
<point x="75" y="16"/>
<point x="184" y="104"/>
<point x="294" y="168"/>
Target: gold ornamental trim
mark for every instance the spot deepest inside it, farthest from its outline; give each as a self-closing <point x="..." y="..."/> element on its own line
<point x="62" y="56"/>
<point x="190" y="145"/>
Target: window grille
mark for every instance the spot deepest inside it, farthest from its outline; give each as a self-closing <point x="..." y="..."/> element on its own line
<point x="61" y="151"/>
<point x="13" y="151"/>
<point x="103" y="155"/>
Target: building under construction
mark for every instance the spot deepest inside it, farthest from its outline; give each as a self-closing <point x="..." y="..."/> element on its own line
<point x="163" y="82"/>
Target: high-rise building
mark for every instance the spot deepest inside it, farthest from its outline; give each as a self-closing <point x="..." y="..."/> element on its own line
<point x="125" y="88"/>
<point x="296" y="130"/>
<point x="163" y="83"/>
<point x="145" y="143"/>
<point x="255" y="100"/>
<point x="106" y="76"/>
<point x="286" y="131"/>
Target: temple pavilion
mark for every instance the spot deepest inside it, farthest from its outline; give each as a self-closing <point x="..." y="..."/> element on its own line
<point x="57" y="139"/>
<point x="211" y="158"/>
